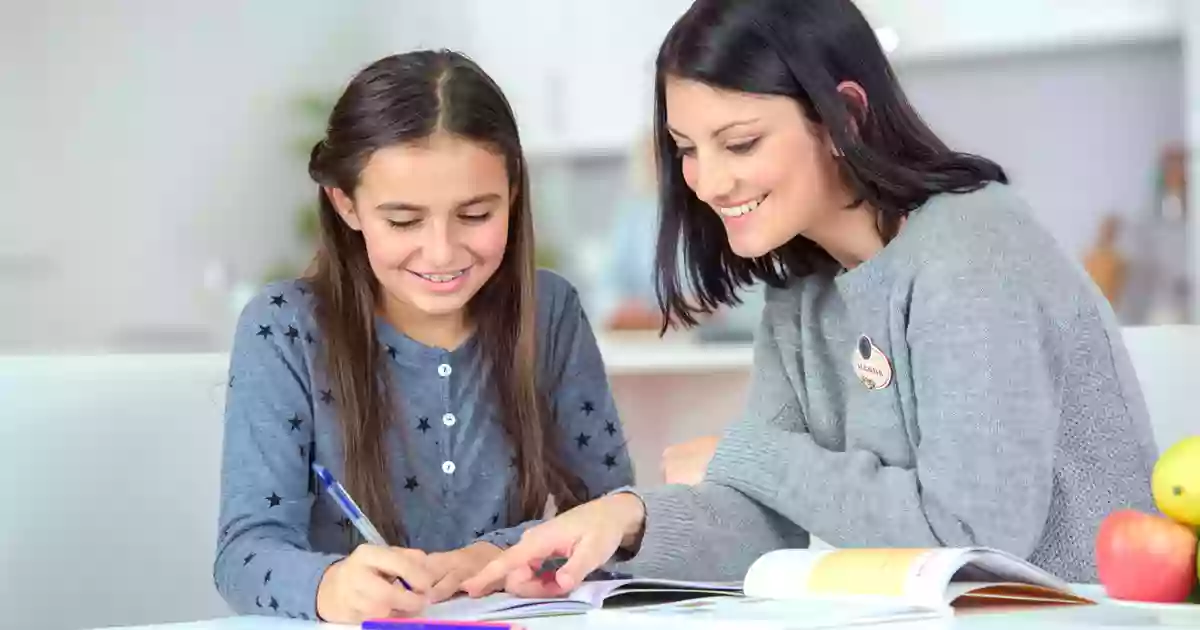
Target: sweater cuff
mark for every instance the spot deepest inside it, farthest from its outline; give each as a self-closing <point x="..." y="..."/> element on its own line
<point x="292" y="591"/>
<point x="748" y="460"/>
<point x="670" y="513"/>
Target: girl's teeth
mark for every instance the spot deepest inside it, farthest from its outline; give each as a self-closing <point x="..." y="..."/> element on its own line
<point x="738" y="211"/>
<point x="441" y="277"/>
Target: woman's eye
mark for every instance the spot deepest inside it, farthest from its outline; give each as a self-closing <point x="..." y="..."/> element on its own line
<point x="742" y="148"/>
<point x="477" y="218"/>
<point x="685" y="151"/>
<point x="401" y="225"/>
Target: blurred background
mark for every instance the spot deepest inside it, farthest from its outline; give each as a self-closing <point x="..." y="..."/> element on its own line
<point x="154" y="165"/>
<point x="153" y="177"/>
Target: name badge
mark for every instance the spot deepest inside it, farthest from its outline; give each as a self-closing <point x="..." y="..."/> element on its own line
<point x="871" y="366"/>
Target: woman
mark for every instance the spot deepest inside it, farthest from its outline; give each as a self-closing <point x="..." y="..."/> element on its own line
<point x="931" y="369"/>
<point x="451" y="387"/>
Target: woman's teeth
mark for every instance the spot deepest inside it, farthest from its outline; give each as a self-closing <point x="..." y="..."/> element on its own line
<point x="441" y="277"/>
<point x="737" y="211"/>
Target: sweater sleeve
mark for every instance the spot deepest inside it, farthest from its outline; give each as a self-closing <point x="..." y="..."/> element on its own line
<point x="264" y="563"/>
<point x="987" y="424"/>
<point x="731" y="526"/>
<point x="581" y="403"/>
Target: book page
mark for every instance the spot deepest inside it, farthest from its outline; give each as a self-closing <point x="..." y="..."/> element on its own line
<point x="916" y="576"/>
<point x="920" y="577"/>
<point x="500" y="606"/>
<point x="751" y="613"/>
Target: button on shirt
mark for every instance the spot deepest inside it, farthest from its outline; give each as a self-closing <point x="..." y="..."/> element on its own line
<point x="452" y="481"/>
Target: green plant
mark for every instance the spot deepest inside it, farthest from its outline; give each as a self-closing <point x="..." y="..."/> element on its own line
<point x="312" y="110"/>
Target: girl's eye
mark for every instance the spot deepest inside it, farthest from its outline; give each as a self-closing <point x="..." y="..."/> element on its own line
<point x="402" y="225"/>
<point x="477" y="218"/>
<point x="743" y="148"/>
<point x="684" y="151"/>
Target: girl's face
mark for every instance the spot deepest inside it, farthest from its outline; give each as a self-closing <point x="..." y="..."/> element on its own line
<point x="434" y="216"/>
<point x="764" y="168"/>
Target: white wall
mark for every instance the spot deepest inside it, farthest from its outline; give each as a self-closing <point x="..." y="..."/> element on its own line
<point x="1191" y="28"/>
<point x="938" y="29"/>
<point x="1079" y="131"/>
<point x="145" y="139"/>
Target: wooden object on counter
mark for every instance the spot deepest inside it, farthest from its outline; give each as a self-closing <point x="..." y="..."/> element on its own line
<point x="1105" y="264"/>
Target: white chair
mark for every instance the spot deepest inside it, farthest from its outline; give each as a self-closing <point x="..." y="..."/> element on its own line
<point x="110" y="468"/>
<point x="1164" y="358"/>
<point x="109" y="502"/>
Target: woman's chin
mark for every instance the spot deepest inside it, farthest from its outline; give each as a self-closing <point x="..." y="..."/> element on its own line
<point x="750" y="248"/>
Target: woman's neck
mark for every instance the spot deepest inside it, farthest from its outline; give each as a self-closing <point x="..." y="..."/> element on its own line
<point x="850" y="236"/>
<point x="442" y="330"/>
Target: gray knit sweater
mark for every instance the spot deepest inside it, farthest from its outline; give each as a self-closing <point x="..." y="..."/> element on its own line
<point x="997" y="407"/>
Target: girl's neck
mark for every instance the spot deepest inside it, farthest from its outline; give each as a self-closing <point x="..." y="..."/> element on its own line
<point x="850" y="236"/>
<point x="446" y="330"/>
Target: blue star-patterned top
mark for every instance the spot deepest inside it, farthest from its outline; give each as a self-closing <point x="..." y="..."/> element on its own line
<point x="450" y="461"/>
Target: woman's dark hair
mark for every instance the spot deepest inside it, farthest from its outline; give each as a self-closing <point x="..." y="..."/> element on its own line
<point x="401" y="99"/>
<point x="802" y="49"/>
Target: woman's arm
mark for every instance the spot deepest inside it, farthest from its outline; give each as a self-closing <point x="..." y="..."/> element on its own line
<point x="988" y="417"/>
<point x="580" y="403"/>
<point x="264" y="563"/>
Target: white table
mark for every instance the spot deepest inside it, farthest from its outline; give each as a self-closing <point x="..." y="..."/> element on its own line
<point x="1104" y="615"/>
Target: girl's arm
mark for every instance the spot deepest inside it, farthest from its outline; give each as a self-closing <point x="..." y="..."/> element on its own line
<point x="264" y="563"/>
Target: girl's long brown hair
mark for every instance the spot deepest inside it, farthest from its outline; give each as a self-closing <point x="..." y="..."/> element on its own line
<point x="401" y="99"/>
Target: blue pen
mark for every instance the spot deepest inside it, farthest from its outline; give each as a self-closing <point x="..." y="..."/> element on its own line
<point x="351" y="510"/>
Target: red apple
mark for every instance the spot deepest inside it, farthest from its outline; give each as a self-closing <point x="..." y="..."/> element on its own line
<point x="1145" y="558"/>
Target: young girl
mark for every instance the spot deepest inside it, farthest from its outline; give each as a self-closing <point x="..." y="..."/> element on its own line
<point x="931" y="369"/>
<point x="451" y="389"/>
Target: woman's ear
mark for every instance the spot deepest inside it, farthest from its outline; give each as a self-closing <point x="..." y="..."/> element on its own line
<point x="856" y="103"/>
<point x="856" y="99"/>
<point x="344" y="206"/>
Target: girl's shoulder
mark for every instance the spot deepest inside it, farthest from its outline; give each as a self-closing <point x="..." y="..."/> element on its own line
<point x="282" y="310"/>
<point x="289" y="298"/>
<point x="557" y="299"/>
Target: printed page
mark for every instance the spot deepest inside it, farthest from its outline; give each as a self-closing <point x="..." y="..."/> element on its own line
<point x="500" y="606"/>
<point x="932" y="578"/>
<point x="915" y="576"/>
<point x="752" y="613"/>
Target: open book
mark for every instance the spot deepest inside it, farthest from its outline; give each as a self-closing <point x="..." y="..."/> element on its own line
<point x="857" y="585"/>
<point x="798" y="588"/>
<point x="588" y="596"/>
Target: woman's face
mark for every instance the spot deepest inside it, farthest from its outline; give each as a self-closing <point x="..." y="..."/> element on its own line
<point x="434" y="216"/>
<point x="765" y="169"/>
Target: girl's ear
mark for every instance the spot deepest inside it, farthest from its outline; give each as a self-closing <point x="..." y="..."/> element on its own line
<point x="344" y="206"/>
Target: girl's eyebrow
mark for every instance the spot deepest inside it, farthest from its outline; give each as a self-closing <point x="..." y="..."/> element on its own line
<point x="412" y="207"/>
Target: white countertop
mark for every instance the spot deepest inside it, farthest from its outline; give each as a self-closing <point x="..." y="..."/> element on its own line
<point x="645" y="353"/>
<point x="1104" y="615"/>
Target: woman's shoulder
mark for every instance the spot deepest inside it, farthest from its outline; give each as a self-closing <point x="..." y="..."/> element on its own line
<point x="992" y="229"/>
<point x="989" y="243"/>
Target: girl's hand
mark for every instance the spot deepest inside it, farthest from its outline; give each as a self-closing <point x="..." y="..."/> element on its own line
<point x="686" y="463"/>
<point x="587" y="536"/>
<point x="363" y="585"/>
<point x="449" y="569"/>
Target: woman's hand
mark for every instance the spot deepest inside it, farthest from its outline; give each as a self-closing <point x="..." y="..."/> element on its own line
<point x="363" y="585"/>
<point x="449" y="569"/>
<point x="686" y="463"/>
<point x="587" y="536"/>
